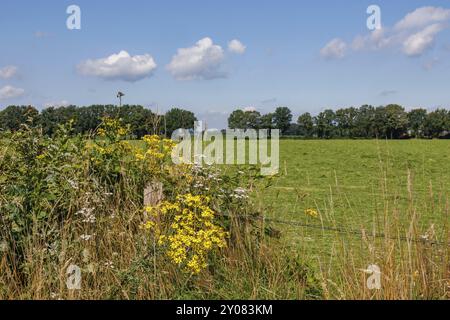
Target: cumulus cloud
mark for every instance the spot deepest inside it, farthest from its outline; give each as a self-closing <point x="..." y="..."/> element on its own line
<point x="377" y="39"/>
<point x="412" y="35"/>
<point x="9" y="92"/>
<point x="201" y="61"/>
<point x="335" y="49"/>
<point x="422" y="17"/>
<point x="235" y="46"/>
<point x="417" y="43"/>
<point x="62" y="103"/>
<point x="8" y="72"/>
<point x="249" y="109"/>
<point x="121" y="66"/>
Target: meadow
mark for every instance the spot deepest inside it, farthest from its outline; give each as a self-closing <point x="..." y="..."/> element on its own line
<point x="313" y="231"/>
<point x="353" y="178"/>
<point x="393" y="192"/>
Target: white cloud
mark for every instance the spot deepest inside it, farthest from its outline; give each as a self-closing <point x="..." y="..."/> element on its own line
<point x="121" y="66"/>
<point x="419" y="42"/>
<point x="62" y="103"/>
<point x="8" y="72"/>
<point x="9" y="92"/>
<point x="249" y="109"/>
<point x="335" y="49"/>
<point x="236" y="46"/>
<point x="413" y="35"/>
<point x="202" y="61"/>
<point x="377" y="39"/>
<point x="422" y="17"/>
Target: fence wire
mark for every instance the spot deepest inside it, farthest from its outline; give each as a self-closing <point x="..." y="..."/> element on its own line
<point x="347" y="231"/>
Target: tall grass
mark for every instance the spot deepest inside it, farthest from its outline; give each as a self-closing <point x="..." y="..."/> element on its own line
<point x="47" y="225"/>
<point x="413" y="254"/>
<point x="407" y="237"/>
<point x="122" y="263"/>
<point x="72" y="201"/>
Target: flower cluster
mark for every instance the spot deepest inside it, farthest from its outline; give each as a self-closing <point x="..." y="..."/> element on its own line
<point x="112" y="127"/>
<point x="187" y="230"/>
<point x="312" y="213"/>
<point x="156" y="148"/>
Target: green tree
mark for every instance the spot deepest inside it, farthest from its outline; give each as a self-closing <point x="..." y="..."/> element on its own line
<point x="252" y="119"/>
<point x="52" y="117"/>
<point x="345" y="122"/>
<point x="13" y="117"/>
<point x="267" y="121"/>
<point x="282" y="118"/>
<point x="306" y="125"/>
<point x="178" y="119"/>
<point x="416" y="122"/>
<point x="437" y="123"/>
<point x="236" y="120"/>
<point x="137" y="117"/>
<point x="326" y="124"/>
<point x="240" y="119"/>
<point x="365" y="122"/>
<point x="396" y="121"/>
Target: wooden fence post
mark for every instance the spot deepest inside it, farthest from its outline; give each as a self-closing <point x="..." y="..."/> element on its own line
<point x="153" y="194"/>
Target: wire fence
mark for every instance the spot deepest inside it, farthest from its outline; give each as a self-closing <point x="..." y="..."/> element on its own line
<point x="347" y="231"/>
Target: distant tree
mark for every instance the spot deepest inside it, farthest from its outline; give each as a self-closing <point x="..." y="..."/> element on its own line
<point x="236" y="120"/>
<point x="178" y="119"/>
<point x="326" y="124"/>
<point x="282" y="118"/>
<point x="13" y="117"/>
<point x="416" y="122"/>
<point x="252" y="119"/>
<point x="89" y="118"/>
<point x="51" y="117"/>
<point x="379" y="122"/>
<point x="365" y="122"/>
<point x="240" y="119"/>
<point x="437" y="123"/>
<point x="137" y="117"/>
<point x="293" y="130"/>
<point x="345" y="122"/>
<point x="396" y="121"/>
<point x="306" y="125"/>
<point x="266" y="121"/>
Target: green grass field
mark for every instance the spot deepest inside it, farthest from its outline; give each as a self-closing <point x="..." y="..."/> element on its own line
<point x="354" y="184"/>
<point x="378" y="203"/>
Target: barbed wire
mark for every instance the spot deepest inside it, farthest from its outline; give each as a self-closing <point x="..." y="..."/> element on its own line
<point x="337" y="229"/>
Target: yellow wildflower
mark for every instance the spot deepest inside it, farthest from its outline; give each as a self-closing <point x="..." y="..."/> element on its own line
<point x="312" y="212"/>
<point x="191" y="233"/>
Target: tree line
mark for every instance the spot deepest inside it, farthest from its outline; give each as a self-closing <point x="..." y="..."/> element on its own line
<point x="390" y="122"/>
<point x="387" y="122"/>
<point x="84" y="120"/>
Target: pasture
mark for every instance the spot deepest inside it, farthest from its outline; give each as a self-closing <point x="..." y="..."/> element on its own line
<point x="350" y="181"/>
<point x="336" y="210"/>
<point x="378" y="202"/>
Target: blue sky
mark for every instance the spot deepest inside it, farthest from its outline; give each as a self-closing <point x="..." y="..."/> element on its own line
<point x="307" y="55"/>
